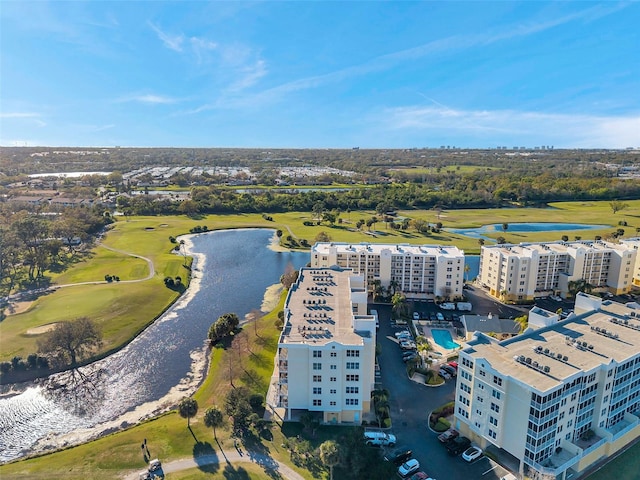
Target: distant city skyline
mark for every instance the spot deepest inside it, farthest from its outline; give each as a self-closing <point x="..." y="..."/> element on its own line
<point x="320" y="74"/>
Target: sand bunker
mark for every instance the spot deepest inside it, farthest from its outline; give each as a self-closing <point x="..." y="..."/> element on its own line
<point x="14" y="308"/>
<point x="42" y="329"/>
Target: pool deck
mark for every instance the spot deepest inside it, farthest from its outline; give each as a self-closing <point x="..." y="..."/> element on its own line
<point x="425" y="327"/>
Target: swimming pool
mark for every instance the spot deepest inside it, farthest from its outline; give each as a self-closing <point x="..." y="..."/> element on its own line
<point x="443" y="338"/>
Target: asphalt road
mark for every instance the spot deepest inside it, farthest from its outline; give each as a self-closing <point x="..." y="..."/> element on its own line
<point x="411" y="404"/>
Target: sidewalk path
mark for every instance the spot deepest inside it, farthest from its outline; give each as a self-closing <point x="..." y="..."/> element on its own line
<point x="228" y="458"/>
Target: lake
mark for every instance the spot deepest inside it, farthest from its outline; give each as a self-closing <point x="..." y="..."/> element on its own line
<point x="233" y="268"/>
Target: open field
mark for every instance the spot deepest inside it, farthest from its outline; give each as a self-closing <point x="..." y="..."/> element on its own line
<point x="116" y="305"/>
<point x="167" y="436"/>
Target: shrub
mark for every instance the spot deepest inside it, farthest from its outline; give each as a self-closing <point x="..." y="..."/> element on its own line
<point x="442" y="425"/>
<point x="308" y="223"/>
<point x="172" y="239"/>
<point x="386" y="423"/>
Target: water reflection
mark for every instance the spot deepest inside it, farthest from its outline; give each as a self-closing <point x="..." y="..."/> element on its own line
<point x="233" y="269"/>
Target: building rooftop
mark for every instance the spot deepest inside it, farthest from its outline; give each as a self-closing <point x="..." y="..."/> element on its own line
<point x="319" y="308"/>
<point x="405" y="248"/>
<point x="546" y="357"/>
<point x="490" y="324"/>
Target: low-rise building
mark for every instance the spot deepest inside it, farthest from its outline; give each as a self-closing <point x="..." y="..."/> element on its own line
<point x="326" y="351"/>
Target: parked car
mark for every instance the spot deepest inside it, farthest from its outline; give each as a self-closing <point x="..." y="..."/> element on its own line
<point x="432" y="316"/>
<point x="440" y="317"/>
<point x="409" y="356"/>
<point x="398" y="455"/>
<point x="407" y="345"/>
<point x="449" y="369"/>
<point x="420" y="476"/>
<point x="471" y="454"/>
<point x="450" y="434"/>
<point x="444" y="374"/>
<point x="379" y="439"/>
<point x="402" y="333"/>
<point x="458" y="445"/>
<point x="416" y="316"/>
<point x="407" y="468"/>
<point x="453" y="364"/>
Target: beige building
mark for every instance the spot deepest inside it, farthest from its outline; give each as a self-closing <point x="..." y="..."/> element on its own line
<point x="522" y="272"/>
<point x="326" y="351"/>
<point x="418" y="271"/>
<point x="635" y="244"/>
<point x="560" y="397"/>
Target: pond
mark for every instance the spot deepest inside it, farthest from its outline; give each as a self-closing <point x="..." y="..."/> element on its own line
<point x="234" y="269"/>
<point x="522" y="227"/>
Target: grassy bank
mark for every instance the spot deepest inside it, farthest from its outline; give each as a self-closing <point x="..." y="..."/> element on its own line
<point x="248" y="360"/>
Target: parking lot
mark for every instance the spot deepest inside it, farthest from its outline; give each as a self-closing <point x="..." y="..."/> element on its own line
<point x="410" y="405"/>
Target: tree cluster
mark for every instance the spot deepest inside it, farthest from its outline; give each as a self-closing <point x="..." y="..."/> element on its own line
<point x="223" y="326"/>
<point x="70" y="341"/>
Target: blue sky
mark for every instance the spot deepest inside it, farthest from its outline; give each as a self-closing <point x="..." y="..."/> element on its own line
<point x="320" y="74"/>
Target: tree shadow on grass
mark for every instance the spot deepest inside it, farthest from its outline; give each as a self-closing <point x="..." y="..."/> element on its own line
<point x="238" y="473"/>
<point x="206" y="457"/>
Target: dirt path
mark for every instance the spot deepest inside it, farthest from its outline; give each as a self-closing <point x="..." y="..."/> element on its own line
<point x="227" y="458"/>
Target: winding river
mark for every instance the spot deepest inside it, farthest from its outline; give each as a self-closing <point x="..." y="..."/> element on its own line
<point x="232" y="271"/>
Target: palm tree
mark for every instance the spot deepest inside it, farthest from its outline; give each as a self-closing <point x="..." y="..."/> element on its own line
<point x="188" y="408"/>
<point x="467" y="269"/>
<point x="330" y="455"/>
<point x="213" y="418"/>
<point x="393" y="286"/>
<point x="399" y="302"/>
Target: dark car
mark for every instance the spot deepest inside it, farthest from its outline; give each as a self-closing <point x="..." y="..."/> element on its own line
<point x="448" y="368"/>
<point x="398" y="456"/>
<point x="458" y="445"/>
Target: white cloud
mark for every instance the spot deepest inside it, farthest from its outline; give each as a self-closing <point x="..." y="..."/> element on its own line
<point x="172" y="42"/>
<point x="249" y="76"/>
<point x="149" y="99"/>
<point x="507" y="126"/>
<point x="19" y="115"/>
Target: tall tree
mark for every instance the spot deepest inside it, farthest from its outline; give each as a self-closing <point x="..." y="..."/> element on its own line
<point x="188" y="408"/>
<point x="618" y="205"/>
<point x="213" y="419"/>
<point x="329" y="455"/>
<point x="70" y="341"/>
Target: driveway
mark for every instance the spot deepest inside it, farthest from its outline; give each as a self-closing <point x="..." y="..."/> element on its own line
<point x="411" y="404"/>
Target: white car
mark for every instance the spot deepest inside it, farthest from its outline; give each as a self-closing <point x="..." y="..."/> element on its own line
<point x="416" y="316"/>
<point x="407" y="468"/>
<point x="472" y="453"/>
<point x="402" y="333"/>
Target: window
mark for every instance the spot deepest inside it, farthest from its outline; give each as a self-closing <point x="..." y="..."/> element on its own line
<point x="353" y="378"/>
<point x="352" y="390"/>
<point x="317" y="366"/>
<point x="352" y="401"/>
<point x="495" y="408"/>
<point x="333" y="391"/>
<point x="492" y="434"/>
<point x="493" y="421"/>
<point x="317" y="354"/>
<point x="317" y="378"/>
<point x="317" y="390"/>
<point x="333" y="354"/>
<point x="496" y="394"/>
<point x="353" y="365"/>
<point x="353" y="353"/>
<point x="481" y="372"/>
<point x="497" y="380"/>
<point x="332" y="403"/>
<point x="333" y="379"/>
<point x="317" y="402"/>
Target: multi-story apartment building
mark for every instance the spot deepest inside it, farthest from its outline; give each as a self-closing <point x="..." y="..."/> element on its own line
<point x="635" y="244"/>
<point x="418" y="271"/>
<point x="326" y="351"/>
<point x="560" y="397"/>
<point x="521" y="272"/>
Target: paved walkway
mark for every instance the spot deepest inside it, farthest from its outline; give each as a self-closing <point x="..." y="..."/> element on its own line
<point x="228" y="458"/>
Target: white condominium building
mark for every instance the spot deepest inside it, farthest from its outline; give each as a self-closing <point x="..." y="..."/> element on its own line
<point x="326" y="352"/>
<point x="560" y="397"/>
<point x="418" y="271"/>
<point x="521" y="272"/>
<point x="635" y="244"/>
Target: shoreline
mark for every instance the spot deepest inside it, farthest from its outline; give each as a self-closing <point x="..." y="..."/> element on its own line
<point x="188" y="385"/>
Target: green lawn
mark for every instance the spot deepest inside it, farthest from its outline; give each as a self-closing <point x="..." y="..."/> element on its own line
<point x="167" y="436"/>
<point x="624" y="467"/>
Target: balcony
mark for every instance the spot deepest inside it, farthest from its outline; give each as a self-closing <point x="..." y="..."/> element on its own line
<point x="283" y="365"/>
